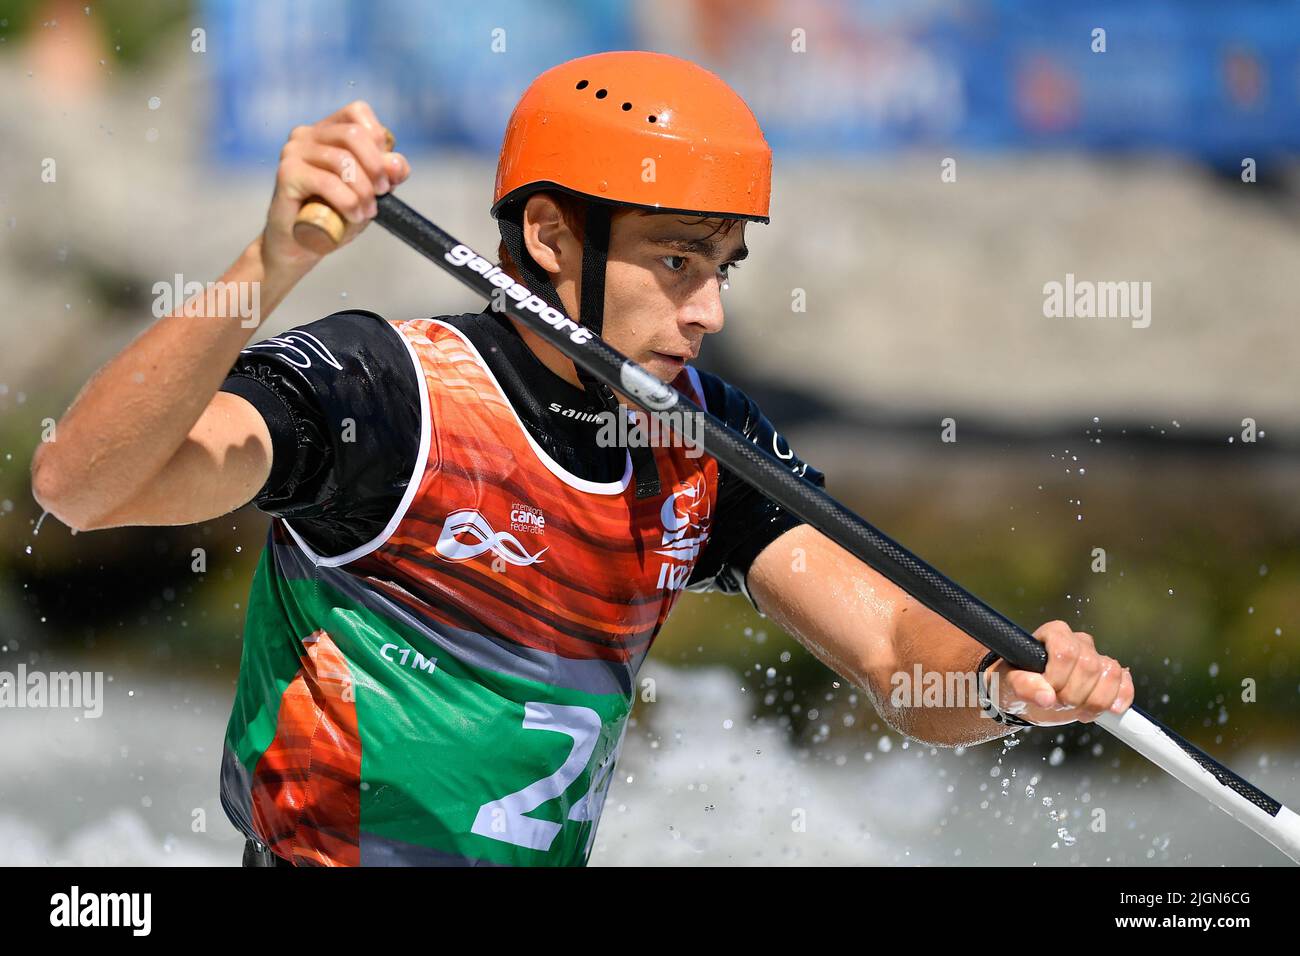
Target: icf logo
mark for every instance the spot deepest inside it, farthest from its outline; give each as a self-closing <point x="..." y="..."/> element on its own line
<point x="466" y="534"/>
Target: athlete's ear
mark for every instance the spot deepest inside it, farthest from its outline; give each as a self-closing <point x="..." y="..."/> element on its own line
<point x="547" y="236"/>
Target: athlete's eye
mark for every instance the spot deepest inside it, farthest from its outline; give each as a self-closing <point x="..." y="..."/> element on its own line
<point x="724" y="273"/>
<point x="674" y="263"/>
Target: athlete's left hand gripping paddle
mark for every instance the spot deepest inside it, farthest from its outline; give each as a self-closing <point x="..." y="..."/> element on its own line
<point x="317" y="226"/>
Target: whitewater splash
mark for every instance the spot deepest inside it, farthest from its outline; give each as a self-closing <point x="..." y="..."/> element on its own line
<point x="699" y="782"/>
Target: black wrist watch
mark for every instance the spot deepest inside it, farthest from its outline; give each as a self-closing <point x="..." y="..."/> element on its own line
<point x="987" y="703"/>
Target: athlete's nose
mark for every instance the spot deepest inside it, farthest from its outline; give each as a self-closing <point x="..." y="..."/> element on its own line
<point x="704" y="309"/>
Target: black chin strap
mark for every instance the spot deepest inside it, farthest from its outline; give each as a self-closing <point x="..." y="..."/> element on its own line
<point x="595" y="252"/>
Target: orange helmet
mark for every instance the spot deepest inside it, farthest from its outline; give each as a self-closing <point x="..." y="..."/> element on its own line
<point x="627" y="129"/>
<point x="639" y="129"/>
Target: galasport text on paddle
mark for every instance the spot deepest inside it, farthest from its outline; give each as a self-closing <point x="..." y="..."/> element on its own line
<point x="319" y="227"/>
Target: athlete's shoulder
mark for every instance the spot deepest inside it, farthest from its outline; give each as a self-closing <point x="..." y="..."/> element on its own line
<point x="342" y="401"/>
<point x="329" y="342"/>
<point x="361" y="322"/>
<point x="726" y="401"/>
<point x="360" y="345"/>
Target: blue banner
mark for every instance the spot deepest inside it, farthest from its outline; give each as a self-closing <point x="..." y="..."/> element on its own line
<point x="1216" y="81"/>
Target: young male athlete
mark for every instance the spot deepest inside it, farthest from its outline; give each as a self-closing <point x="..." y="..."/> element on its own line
<point x="460" y="581"/>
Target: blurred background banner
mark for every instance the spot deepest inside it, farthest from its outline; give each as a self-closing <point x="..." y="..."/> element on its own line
<point x="940" y="167"/>
<point x="1203" y="78"/>
<point x="424" y="66"/>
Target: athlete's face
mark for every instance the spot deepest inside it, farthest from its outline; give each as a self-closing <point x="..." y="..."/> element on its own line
<point x="664" y="286"/>
<point x="664" y="281"/>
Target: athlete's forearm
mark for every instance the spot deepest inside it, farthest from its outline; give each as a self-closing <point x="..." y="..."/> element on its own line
<point x="933" y="695"/>
<point x="875" y="635"/>
<point x="134" y="413"/>
<point x="814" y="589"/>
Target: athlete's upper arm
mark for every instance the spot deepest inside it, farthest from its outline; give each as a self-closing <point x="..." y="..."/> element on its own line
<point x="221" y="464"/>
<point x="320" y="424"/>
<point x="343" y="403"/>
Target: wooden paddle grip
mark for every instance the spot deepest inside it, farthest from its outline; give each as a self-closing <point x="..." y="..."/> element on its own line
<point x="317" y="226"/>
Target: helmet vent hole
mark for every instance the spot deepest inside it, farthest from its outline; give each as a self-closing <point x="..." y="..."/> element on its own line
<point x="652" y="118"/>
<point x="626" y="107"/>
<point x="582" y="85"/>
<point x="601" y="94"/>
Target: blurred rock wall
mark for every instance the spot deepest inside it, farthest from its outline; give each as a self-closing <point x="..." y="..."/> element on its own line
<point x="920" y="295"/>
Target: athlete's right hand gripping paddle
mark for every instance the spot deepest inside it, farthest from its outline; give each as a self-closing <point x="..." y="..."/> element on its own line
<point x="317" y="226"/>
